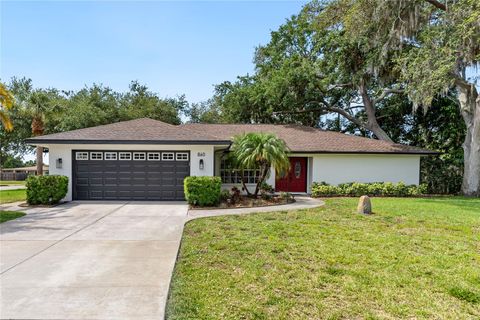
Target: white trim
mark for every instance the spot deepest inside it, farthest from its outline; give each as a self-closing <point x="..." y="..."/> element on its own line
<point x="110" y="156"/>
<point x="155" y="156"/>
<point x="121" y="156"/>
<point x="81" y="155"/>
<point x="94" y="155"/>
<point x="168" y="154"/>
<point x="181" y="154"/>
<point x="135" y="154"/>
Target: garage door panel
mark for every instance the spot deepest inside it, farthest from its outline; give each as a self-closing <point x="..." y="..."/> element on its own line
<point x="110" y="182"/>
<point x="95" y="182"/>
<point x="129" y="179"/>
<point x="95" y="194"/>
<point x="110" y="194"/>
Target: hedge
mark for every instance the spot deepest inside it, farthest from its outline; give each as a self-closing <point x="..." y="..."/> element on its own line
<point x="202" y="191"/>
<point x="46" y="189"/>
<point x="355" y="189"/>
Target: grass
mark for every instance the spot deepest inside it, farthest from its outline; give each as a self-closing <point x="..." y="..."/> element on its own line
<point x="7" y="196"/>
<point x="10" y="215"/>
<point x="414" y="258"/>
<point x="11" y="183"/>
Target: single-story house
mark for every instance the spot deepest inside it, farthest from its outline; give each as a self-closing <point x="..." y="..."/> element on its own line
<point x="146" y="159"/>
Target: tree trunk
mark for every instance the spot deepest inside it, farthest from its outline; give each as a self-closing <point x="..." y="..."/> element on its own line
<point x="372" y="123"/>
<point x="245" y="185"/>
<point x="39" y="161"/>
<point x="263" y="176"/>
<point x="470" y="110"/>
<point x="37" y="130"/>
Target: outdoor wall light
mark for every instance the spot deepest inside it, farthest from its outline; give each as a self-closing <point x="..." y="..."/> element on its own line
<point x="58" y="163"/>
<point x="200" y="164"/>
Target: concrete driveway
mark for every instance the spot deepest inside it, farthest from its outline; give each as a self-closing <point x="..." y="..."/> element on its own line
<point x="90" y="260"/>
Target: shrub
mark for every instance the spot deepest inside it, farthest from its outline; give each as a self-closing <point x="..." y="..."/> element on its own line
<point x="202" y="191"/>
<point x="235" y="195"/>
<point x="286" y="196"/>
<point x="224" y="195"/>
<point x="265" y="195"/>
<point x="46" y="189"/>
<point x="355" y="189"/>
<point x="265" y="187"/>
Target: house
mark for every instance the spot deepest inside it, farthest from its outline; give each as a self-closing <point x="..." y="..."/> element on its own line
<point x="21" y="173"/>
<point x="146" y="159"/>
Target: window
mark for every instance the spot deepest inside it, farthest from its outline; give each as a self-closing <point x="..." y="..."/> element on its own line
<point x="182" y="156"/>
<point x="167" y="156"/>
<point x="154" y="156"/>
<point x="96" y="155"/>
<point x="81" y="156"/>
<point x="110" y="156"/>
<point x="125" y="156"/>
<point x="139" y="156"/>
<point x="233" y="175"/>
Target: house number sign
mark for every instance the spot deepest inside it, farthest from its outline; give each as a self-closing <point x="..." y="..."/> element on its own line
<point x="201" y="154"/>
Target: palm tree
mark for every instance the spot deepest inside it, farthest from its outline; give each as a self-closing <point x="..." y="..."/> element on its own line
<point x="36" y="106"/>
<point x="260" y="151"/>
<point x="6" y="102"/>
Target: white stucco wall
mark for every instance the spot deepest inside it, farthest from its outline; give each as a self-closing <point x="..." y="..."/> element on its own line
<point x="335" y="169"/>
<point x="64" y="152"/>
<point x="331" y="168"/>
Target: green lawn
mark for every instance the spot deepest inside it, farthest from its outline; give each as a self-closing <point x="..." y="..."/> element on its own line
<point x="7" y="196"/>
<point x="11" y="183"/>
<point x="414" y="258"/>
<point x="10" y="215"/>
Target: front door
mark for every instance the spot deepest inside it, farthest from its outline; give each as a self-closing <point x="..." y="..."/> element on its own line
<point x="296" y="179"/>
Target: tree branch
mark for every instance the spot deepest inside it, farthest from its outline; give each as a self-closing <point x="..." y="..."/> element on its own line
<point x="437" y="4"/>
<point x="385" y="93"/>
<point x="340" y="111"/>
<point x="339" y="85"/>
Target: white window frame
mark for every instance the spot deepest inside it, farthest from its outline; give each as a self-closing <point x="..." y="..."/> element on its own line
<point x="81" y="155"/>
<point x="155" y="156"/>
<point x="108" y="156"/>
<point x="95" y="154"/>
<point x="181" y="154"/>
<point x="122" y="154"/>
<point x="168" y="154"/>
<point x="231" y="175"/>
<point x="138" y="154"/>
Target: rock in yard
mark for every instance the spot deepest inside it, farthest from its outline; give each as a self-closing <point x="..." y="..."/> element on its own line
<point x="364" y="205"/>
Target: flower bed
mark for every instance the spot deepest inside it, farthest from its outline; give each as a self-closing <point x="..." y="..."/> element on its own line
<point x="231" y="199"/>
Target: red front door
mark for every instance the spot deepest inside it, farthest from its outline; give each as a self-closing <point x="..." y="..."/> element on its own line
<point x="296" y="179"/>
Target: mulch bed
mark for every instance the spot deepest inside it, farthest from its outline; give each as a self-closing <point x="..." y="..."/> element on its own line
<point x="247" y="202"/>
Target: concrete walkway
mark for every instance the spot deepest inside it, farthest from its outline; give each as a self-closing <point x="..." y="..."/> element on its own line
<point x="90" y="260"/>
<point x="301" y="202"/>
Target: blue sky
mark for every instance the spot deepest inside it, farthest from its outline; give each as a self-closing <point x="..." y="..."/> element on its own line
<point x="172" y="47"/>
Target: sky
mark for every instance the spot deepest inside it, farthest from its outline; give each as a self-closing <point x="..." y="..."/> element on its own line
<point x="183" y="47"/>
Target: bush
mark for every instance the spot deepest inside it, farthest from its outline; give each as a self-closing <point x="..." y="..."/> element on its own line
<point x="355" y="189"/>
<point x="224" y="195"/>
<point x="286" y="196"/>
<point x="202" y="191"/>
<point x="266" y="188"/>
<point x="46" y="189"/>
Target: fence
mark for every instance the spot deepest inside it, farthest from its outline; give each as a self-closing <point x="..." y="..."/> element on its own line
<point x="13" y="176"/>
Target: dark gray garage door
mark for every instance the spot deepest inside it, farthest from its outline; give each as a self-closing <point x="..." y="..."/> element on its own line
<point x="129" y="175"/>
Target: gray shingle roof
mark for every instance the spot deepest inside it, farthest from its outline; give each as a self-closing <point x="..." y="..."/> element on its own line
<point x="307" y="139"/>
<point x="298" y="138"/>
<point x="142" y="130"/>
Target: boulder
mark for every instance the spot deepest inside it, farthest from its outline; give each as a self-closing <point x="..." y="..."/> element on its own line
<point x="364" y="205"/>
